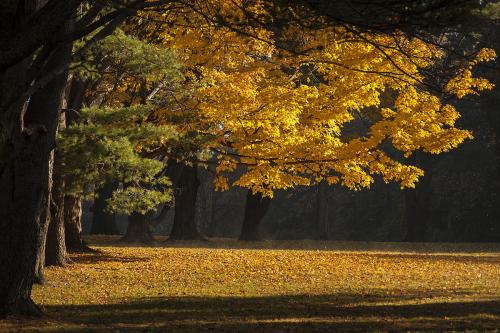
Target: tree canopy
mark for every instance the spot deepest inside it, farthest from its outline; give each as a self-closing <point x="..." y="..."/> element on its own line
<point x="281" y="102"/>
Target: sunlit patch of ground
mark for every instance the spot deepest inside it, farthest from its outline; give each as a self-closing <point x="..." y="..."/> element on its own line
<point x="226" y="286"/>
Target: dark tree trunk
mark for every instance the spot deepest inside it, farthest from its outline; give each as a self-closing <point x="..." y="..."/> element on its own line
<point x="138" y="230"/>
<point x="40" y="254"/>
<point x="184" y="227"/>
<point x="157" y="220"/>
<point x="322" y="212"/>
<point x="73" y="225"/>
<point x="493" y="232"/>
<point x="55" y="253"/>
<point x="75" y="100"/>
<point x="256" y="208"/>
<point x="25" y="182"/>
<point x="212" y="225"/>
<point x="72" y="204"/>
<point x="103" y="222"/>
<point x="140" y="227"/>
<point x="24" y="35"/>
<point x="415" y="218"/>
<point x="417" y="202"/>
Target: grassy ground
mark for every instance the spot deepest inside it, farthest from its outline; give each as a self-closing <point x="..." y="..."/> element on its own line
<point x="225" y="286"/>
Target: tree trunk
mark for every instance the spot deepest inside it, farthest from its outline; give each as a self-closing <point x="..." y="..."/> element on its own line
<point x="184" y="227"/>
<point x="255" y="209"/>
<point x="73" y="225"/>
<point x="75" y="100"/>
<point x="25" y="182"/>
<point x="212" y="225"/>
<point x="322" y="212"/>
<point x="417" y="202"/>
<point x="73" y="205"/>
<point x="55" y="253"/>
<point x="138" y="229"/>
<point x="103" y="222"/>
<point x="40" y="254"/>
<point x="415" y="218"/>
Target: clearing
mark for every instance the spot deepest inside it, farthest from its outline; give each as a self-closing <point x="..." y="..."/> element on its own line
<point x="293" y="286"/>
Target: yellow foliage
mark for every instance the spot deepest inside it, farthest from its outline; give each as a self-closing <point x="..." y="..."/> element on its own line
<point x="286" y="115"/>
<point x="464" y="83"/>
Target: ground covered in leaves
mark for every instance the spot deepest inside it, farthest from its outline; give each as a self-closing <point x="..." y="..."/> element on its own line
<point x="226" y="286"/>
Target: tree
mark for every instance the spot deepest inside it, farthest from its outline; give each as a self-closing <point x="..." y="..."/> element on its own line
<point x="73" y="204"/>
<point x="129" y="72"/>
<point x="305" y="145"/>
<point x="255" y="209"/>
<point x="250" y="129"/>
<point x="55" y="253"/>
<point x="138" y="229"/>
<point x="418" y="202"/>
<point x="26" y="185"/>
<point x="73" y="225"/>
<point x="36" y="38"/>
<point x="103" y="221"/>
<point x="184" y="227"/>
<point x="322" y="203"/>
<point x="108" y="145"/>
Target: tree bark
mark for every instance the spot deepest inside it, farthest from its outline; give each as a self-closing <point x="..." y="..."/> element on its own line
<point x="44" y="26"/>
<point x="138" y="230"/>
<point x="25" y="182"/>
<point x="55" y="253"/>
<point x="75" y="100"/>
<point x="103" y="222"/>
<point x="255" y="209"/>
<point x="73" y="204"/>
<point x="73" y="225"/>
<point x="40" y="254"/>
<point x="184" y="227"/>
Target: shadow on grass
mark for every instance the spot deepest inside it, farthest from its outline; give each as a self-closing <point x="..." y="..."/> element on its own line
<point x="305" y="314"/>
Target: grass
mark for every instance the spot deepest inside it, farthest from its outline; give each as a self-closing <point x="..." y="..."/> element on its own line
<point x="226" y="286"/>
